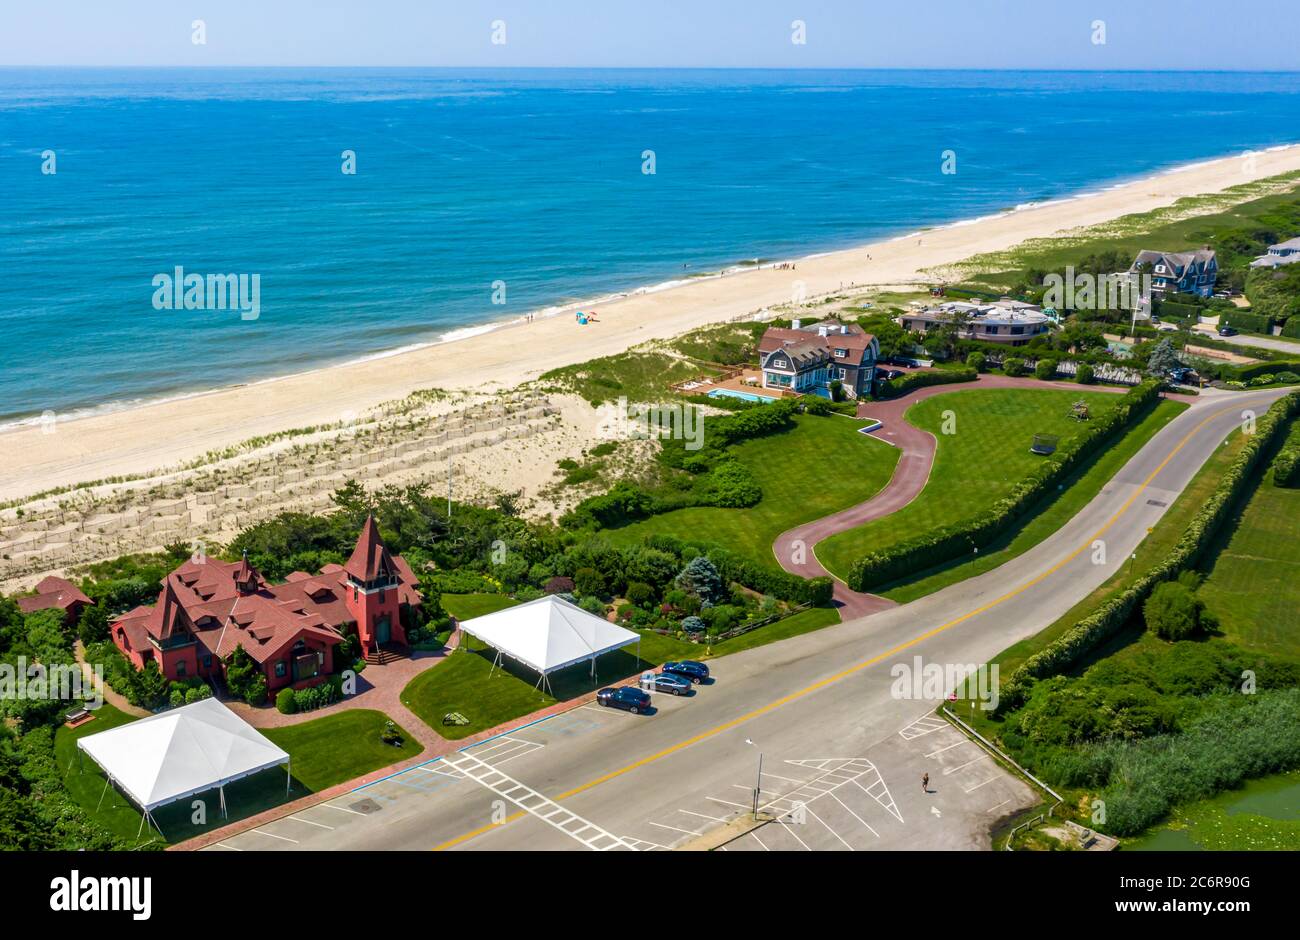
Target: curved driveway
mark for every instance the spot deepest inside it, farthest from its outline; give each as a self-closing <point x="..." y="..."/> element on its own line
<point x="825" y="696"/>
<point x="917" y="449"/>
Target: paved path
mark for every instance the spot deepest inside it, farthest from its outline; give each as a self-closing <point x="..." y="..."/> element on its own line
<point x="910" y="476"/>
<point x="116" y="699"/>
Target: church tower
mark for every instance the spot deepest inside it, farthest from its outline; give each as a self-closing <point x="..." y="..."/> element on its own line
<point x="371" y="585"/>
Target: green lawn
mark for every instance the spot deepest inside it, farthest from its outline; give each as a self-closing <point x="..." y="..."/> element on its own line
<point x="821" y="466"/>
<point x="466" y="606"/>
<point x="461" y="684"/>
<point x="986" y="454"/>
<point x="324" y="752"/>
<point x="1254" y="584"/>
<point x="1080" y="488"/>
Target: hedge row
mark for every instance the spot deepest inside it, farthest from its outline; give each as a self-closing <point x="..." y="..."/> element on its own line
<point x="952" y="541"/>
<point x="913" y="380"/>
<point x="1292" y="328"/>
<point x="1286" y="466"/>
<point x="1094" y="630"/>
<point x="1251" y="322"/>
<point x="766" y="580"/>
<point x="1251" y="370"/>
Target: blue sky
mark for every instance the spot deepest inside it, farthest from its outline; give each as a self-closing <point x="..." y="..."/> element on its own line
<point x="999" y="34"/>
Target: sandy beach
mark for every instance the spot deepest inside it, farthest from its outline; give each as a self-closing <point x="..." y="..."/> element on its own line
<point x="35" y="458"/>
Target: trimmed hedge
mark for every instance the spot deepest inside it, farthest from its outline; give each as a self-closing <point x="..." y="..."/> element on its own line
<point x="1251" y="370"/>
<point x="914" y="380"/>
<point x="952" y="541"/>
<point x="1286" y="466"/>
<point x="1099" y="627"/>
<point x="1250" y="322"/>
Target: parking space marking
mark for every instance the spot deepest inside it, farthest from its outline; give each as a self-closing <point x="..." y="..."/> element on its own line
<point x="999" y="806"/>
<point x="953" y="770"/>
<point x="844" y="771"/>
<point x="689" y="832"/>
<point x="855" y="815"/>
<point x="310" y="822"/>
<point x="263" y="832"/>
<point x="926" y="724"/>
<point x="810" y="812"/>
<point x="947" y="748"/>
<point x="341" y="809"/>
<point x="701" y="815"/>
<point x="978" y="785"/>
<point x="793" y="833"/>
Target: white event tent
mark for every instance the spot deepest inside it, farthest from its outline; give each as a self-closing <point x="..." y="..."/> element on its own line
<point x="167" y="757"/>
<point x="549" y="634"/>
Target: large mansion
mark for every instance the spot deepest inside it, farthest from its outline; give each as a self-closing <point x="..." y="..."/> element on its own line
<point x="1181" y="272"/>
<point x="1010" y="322"/>
<point x="807" y="359"/>
<point x="207" y="608"/>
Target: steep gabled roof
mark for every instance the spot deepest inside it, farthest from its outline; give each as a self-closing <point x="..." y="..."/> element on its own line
<point x="370" y="559"/>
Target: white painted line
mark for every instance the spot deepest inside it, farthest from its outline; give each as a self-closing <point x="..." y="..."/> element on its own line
<point x="732" y="803"/>
<point x="310" y="822"/>
<point x="808" y="809"/>
<point x="796" y="837"/>
<point x="855" y="815"/>
<point x="759" y="841"/>
<point x="948" y="748"/>
<point x="953" y="770"/>
<point x="779" y="777"/>
<point x="689" y="832"/>
<point x="263" y="832"/>
<point x="222" y="845"/>
<point x="999" y="806"/>
<point x="701" y="815"/>
<point x="978" y="785"/>
<point x="341" y="809"/>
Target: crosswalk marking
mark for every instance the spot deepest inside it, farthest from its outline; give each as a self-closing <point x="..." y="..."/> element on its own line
<point x="534" y="803"/>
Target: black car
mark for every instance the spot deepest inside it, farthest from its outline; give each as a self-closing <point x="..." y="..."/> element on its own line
<point x="1227" y="331"/>
<point x="626" y="697"/>
<point x="886" y="375"/>
<point x="688" y="669"/>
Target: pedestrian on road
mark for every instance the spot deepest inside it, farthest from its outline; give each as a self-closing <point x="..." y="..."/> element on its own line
<point x="925" y="783"/>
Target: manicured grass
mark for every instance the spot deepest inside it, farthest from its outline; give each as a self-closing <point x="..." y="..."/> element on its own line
<point x="340" y="747"/>
<point x="1154" y="548"/>
<point x="323" y="752"/>
<point x="1080" y="488"/>
<point x="466" y="606"/>
<point x="984" y="456"/>
<point x="1253" y="586"/>
<point x="821" y="466"/>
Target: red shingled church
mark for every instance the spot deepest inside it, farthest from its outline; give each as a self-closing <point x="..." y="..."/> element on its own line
<point x="207" y="608"/>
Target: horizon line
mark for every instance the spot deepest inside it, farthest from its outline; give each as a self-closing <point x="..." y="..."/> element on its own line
<point x="669" y="68"/>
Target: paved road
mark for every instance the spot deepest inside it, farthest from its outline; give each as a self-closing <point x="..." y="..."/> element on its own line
<point x="835" y="733"/>
<point x="1259" y="342"/>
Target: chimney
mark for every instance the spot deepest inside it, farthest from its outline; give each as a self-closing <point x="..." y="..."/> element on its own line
<point x="844" y="330"/>
<point x="822" y="331"/>
<point x="796" y="324"/>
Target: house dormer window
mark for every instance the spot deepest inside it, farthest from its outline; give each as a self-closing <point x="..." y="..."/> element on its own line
<point x="841" y="353"/>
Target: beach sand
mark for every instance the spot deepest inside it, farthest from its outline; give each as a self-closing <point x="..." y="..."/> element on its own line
<point x="137" y="440"/>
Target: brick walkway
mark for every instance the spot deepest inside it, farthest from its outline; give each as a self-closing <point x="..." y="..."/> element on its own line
<point x="911" y="473"/>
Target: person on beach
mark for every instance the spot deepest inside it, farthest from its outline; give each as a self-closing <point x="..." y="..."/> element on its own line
<point x="925" y="783"/>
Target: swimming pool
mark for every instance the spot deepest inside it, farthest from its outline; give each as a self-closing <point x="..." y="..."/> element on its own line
<point x="743" y="396"/>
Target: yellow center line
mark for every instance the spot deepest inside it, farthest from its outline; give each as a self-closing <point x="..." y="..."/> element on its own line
<point x="853" y="670"/>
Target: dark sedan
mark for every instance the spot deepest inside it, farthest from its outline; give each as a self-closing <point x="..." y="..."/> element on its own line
<point x="625" y="697"/>
<point x="688" y="669"/>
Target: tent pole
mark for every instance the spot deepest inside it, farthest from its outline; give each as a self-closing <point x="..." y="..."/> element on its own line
<point x="288" y="774"/>
<point x="143" y="817"/>
<point x="221" y="791"/>
<point x="101" y="794"/>
<point x="158" y="827"/>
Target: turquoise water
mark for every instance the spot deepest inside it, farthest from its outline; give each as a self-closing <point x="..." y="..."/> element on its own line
<point x="530" y="178"/>
<point x="743" y="396"/>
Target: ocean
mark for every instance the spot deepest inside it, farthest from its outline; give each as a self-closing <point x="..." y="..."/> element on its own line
<point x="481" y="195"/>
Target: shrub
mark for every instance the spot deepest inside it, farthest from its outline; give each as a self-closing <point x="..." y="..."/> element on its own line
<point x="693" y="624"/>
<point x="1173" y="612"/>
<point x="816" y="405"/>
<point x="700" y="577"/>
<point x="730" y="485"/>
<point x="1013" y="366"/>
<point x="1045" y="369"/>
<point x="285" y="701"/>
<point x="590" y="582"/>
<point x="976" y="361"/>
<point x="640" y="593"/>
<point x="560" y="585"/>
<point x="1085" y="374"/>
<point x="913" y="380"/>
<point x="1286" y="465"/>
